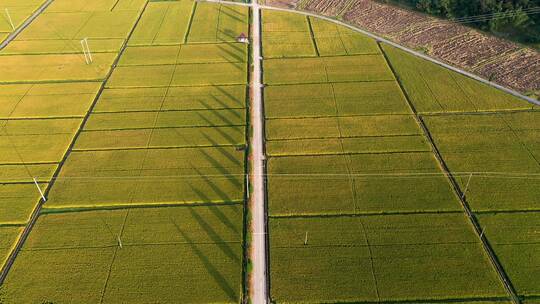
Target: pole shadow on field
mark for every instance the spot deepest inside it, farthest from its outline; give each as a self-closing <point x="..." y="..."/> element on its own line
<point x="237" y="57"/>
<point x="225" y="120"/>
<point x="223" y="151"/>
<point x="214" y="236"/>
<point x="234" y="112"/>
<point x="224" y="92"/>
<point x="212" y="270"/>
<point x="229" y="12"/>
<point x="215" y="209"/>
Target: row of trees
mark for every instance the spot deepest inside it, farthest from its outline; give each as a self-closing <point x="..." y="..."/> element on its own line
<point x="518" y="19"/>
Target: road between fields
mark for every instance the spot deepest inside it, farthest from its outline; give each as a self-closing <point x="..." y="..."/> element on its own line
<point x="258" y="281"/>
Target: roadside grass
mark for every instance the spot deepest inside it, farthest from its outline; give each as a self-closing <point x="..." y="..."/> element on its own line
<point x="379" y="258"/>
<point x="191" y="255"/>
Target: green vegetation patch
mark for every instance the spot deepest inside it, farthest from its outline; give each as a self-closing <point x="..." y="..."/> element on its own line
<point x="18" y="68"/>
<point x="318" y="100"/>
<point x="36" y="140"/>
<point x="327" y="69"/>
<point x="161" y="137"/>
<point x="8" y="238"/>
<point x="516" y="242"/>
<point x="166" y="254"/>
<point x="163" y="23"/>
<point x="336" y="40"/>
<point x="17" y="201"/>
<point x="177" y="98"/>
<point x="286" y="34"/>
<point x="432" y="88"/>
<point x="46" y="100"/>
<point x="378" y="258"/>
<point x="374" y="144"/>
<point x="358" y="183"/>
<point x="217" y="23"/>
<point x="349" y="126"/>
<point x="166" y="119"/>
<point x="152" y="176"/>
<point x="500" y="150"/>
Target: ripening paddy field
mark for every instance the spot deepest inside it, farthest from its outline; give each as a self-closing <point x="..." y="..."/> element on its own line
<point x="124" y="179"/>
<point x="374" y="156"/>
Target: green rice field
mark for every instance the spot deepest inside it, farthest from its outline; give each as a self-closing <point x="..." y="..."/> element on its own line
<point x="124" y="176"/>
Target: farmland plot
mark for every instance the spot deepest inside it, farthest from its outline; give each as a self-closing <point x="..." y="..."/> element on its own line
<point x="150" y="254"/>
<point x="515" y="240"/>
<point x="217" y="23"/>
<point x="19" y="11"/>
<point x="23" y="141"/>
<point x="17" y="201"/>
<point x="163" y="23"/>
<point x="46" y="99"/>
<point x="151" y="176"/>
<point x="327" y="69"/>
<point x="379" y="258"/>
<point x="358" y="183"/>
<point x="452" y="92"/>
<point x="319" y="100"/>
<point x="8" y="237"/>
<point x="178" y="75"/>
<point x="286" y="35"/>
<point x="172" y="98"/>
<point x="334" y="40"/>
<point x="500" y="150"/>
<point x="49" y="68"/>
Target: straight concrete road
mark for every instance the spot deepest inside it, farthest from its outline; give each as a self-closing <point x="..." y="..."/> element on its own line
<point x="258" y="283"/>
